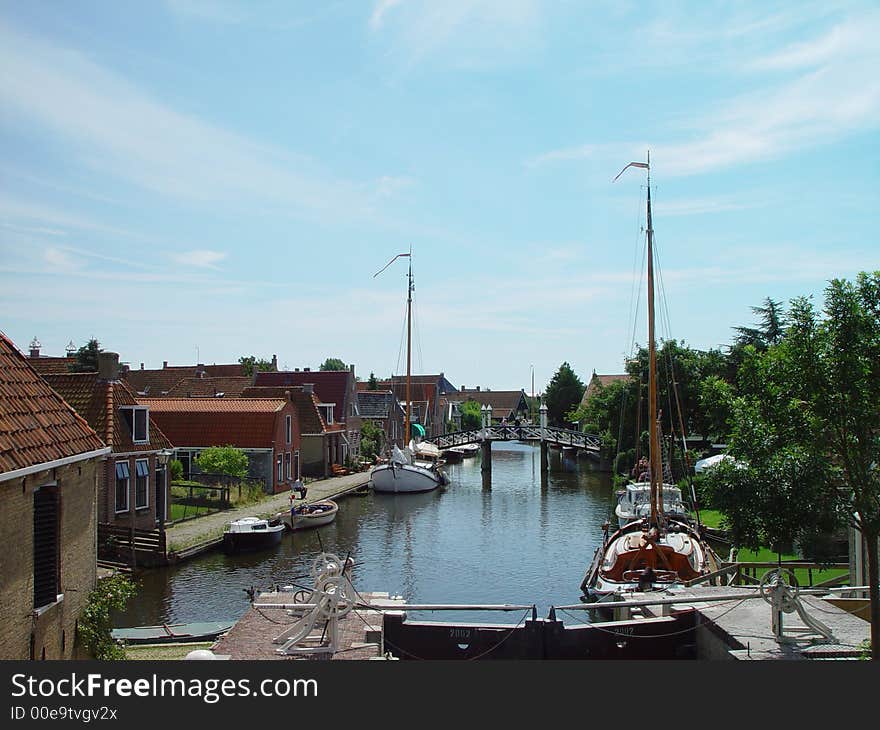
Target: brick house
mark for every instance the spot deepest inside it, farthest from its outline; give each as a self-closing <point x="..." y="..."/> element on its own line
<point x="321" y="443"/>
<point x="600" y="381"/>
<point x="134" y="491"/>
<point x="507" y="405"/>
<point x="336" y="391"/>
<point x="51" y="462"/>
<point x="159" y="382"/>
<point x="266" y="429"/>
<point x="428" y="405"/>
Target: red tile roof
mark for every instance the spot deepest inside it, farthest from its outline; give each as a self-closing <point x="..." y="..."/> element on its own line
<point x="36" y="425"/>
<point x="331" y="386"/>
<point x="100" y="403"/>
<point x="159" y="382"/>
<point x="229" y="386"/>
<point x="46" y="365"/>
<point x="504" y="402"/>
<point x="241" y="422"/>
<point x="602" y="381"/>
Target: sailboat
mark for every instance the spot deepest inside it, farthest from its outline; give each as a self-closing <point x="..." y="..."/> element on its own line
<point x="660" y="549"/>
<point x="410" y="469"/>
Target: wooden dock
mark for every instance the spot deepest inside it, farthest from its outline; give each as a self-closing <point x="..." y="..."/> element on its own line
<point x="194" y="537"/>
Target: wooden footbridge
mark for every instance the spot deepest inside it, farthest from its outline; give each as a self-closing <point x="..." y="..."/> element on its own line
<point x="545" y="434"/>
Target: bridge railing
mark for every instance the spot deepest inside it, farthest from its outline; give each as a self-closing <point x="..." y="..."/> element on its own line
<point x="561" y="436"/>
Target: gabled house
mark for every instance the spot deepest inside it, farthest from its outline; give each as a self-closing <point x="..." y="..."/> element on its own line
<point x="508" y="406"/>
<point x="600" y="381"/>
<point x="50" y="465"/>
<point x="336" y="391"/>
<point x="44" y="364"/>
<point x="322" y="444"/>
<point x="428" y="407"/>
<point x="134" y="491"/>
<point x="383" y="409"/>
<point x="266" y="429"/>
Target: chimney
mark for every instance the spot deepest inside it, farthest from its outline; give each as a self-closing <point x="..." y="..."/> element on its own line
<point x="70" y="349"/>
<point x="288" y="396"/>
<point x="478" y="389"/>
<point x="351" y="367"/>
<point x="274" y="362"/>
<point x="164" y="364"/>
<point x="308" y="388"/>
<point x="462" y="389"/>
<point x="142" y="366"/>
<point x="307" y="370"/>
<point x="35" y="347"/>
<point x="108" y="365"/>
<point x="296" y="370"/>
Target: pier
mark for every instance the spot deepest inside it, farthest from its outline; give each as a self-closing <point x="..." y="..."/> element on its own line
<point x="185" y="540"/>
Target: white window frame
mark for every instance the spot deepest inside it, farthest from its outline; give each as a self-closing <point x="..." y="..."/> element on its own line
<point x="329" y="406"/>
<point x="280" y="470"/>
<point x="287" y="461"/>
<point x="288" y="425"/>
<point x="146" y="411"/>
<point x="146" y="479"/>
<point x="116" y="487"/>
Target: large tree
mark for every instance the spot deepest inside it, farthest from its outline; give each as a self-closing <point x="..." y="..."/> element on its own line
<point x="806" y="428"/>
<point x="333" y="363"/>
<point x="250" y="364"/>
<point x="224" y="460"/>
<point x="563" y="395"/>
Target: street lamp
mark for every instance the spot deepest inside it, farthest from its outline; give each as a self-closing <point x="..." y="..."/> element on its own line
<point x="163" y="456"/>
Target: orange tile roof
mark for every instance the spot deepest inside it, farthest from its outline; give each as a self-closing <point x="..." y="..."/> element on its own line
<point x="99" y="402"/>
<point x="229" y="386"/>
<point x="36" y="425"/>
<point x="310" y="419"/>
<point x="200" y="422"/>
<point x="46" y="365"/>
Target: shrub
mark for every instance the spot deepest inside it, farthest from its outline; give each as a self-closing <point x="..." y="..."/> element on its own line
<point x="176" y="467"/>
<point x="93" y="627"/>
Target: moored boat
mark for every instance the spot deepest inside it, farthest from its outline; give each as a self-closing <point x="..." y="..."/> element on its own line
<point x="251" y="533"/>
<point x="656" y="549"/>
<point x="634" y="502"/>
<point x="316" y="514"/>
<point x="171" y="633"/>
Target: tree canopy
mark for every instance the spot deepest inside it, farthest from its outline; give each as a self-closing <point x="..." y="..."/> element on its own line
<point x="250" y="364"/>
<point x="223" y="460"/>
<point x="563" y="395"/>
<point x="333" y="363"/>
<point x="471" y="417"/>
<point x="805" y="429"/>
<point x="372" y="383"/>
<point x="86" y="358"/>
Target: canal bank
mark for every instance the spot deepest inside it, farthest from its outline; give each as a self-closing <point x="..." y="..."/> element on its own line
<point x="188" y="539"/>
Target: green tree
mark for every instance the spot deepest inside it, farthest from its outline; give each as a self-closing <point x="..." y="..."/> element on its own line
<point x="223" y="460"/>
<point x="86" y="358"/>
<point x="93" y="629"/>
<point x="372" y="383"/>
<point x="333" y="363"/>
<point x="471" y="418"/>
<point x="250" y="364"/>
<point x="806" y="428"/>
<point x="563" y="395"/>
<point x="372" y="439"/>
<point x="770" y="329"/>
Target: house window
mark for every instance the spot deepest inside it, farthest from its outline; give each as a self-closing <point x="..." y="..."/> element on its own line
<point x="122" y="479"/>
<point x="327" y="411"/>
<point x="288" y="424"/>
<point x="138" y="419"/>
<point x="142" y="479"/>
<point x="287" y="465"/>
<point x="280" y="468"/>
<point x="46" y="547"/>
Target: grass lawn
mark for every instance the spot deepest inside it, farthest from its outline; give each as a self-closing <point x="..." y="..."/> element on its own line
<point x="149" y="652"/>
<point x="179" y="511"/>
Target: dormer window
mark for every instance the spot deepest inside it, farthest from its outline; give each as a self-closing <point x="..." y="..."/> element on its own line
<point x="138" y="419"/>
<point x="327" y="412"/>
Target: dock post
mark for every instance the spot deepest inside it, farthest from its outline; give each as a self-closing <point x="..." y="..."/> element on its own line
<point x="545" y="457"/>
<point x="486" y="451"/>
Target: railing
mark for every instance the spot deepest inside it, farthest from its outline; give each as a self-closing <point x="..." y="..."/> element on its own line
<point x="125" y="545"/>
<point x="561" y="436"/>
<point x="196" y="500"/>
<point x="737" y="574"/>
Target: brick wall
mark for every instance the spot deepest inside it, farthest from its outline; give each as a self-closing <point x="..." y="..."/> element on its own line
<point x="54" y="630"/>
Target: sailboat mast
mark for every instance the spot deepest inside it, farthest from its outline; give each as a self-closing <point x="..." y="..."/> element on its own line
<point x="654" y="446"/>
<point x="409" y="287"/>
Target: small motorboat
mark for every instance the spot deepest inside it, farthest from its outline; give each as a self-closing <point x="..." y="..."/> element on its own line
<point x="252" y="533"/>
<point x="302" y="516"/>
<point x="171" y="633"/>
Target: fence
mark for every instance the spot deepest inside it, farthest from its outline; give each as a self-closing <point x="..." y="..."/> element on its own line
<point x="202" y="494"/>
<point x="127" y="546"/>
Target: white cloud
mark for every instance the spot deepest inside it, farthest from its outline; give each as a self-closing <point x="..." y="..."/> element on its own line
<point x="60" y="259"/>
<point x="201" y="258"/>
<point x="379" y="11"/>
<point x="113" y="126"/>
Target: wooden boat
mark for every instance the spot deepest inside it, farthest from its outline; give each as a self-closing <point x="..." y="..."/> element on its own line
<point x="634" y="502"/>
<point x="303" y="516"/>
<point x="468" y="450"/>
<point x="405" y="472"/>
<point x="171" y="633"/>
<point x="252" y="533"/>
<point x="657" y="550"/>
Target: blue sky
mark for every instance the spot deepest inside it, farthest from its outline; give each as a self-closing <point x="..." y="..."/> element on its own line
<point x="190" y="178"/>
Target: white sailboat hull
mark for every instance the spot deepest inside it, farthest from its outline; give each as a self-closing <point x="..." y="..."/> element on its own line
<point x="402" y="478"/>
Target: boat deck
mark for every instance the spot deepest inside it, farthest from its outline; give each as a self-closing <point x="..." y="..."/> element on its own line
<point x="360" y="633"/>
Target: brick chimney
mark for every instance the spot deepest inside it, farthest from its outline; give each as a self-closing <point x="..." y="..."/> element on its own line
<point x="142" y="366"/>
<point x="275" y="362"/>
<point x="108" y="365"/>
<point x="307" y="370"/>
<point x="164" y="364"/>
<point x="478" y="389"/>
<point x="462" y="389"/>
<point x="35" y="347"/>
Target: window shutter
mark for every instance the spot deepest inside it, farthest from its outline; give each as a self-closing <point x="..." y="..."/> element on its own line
<point x="45" y="546"/>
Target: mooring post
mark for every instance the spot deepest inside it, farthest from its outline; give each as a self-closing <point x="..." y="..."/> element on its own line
<point x="486" y="451"/>
<point x="545" y="457"/>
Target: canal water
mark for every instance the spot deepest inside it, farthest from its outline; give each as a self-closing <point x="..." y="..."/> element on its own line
<point x="517" y="541"/>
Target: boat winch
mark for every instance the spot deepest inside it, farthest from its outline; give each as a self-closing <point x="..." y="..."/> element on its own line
<point x="779" y="587"/>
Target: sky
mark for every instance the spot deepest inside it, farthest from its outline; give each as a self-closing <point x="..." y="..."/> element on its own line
<point x="193" y="181"/>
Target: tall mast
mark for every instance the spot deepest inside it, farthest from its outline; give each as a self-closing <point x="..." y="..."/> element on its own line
<point x="409" y="288"/>
<point x="654" y="447"/>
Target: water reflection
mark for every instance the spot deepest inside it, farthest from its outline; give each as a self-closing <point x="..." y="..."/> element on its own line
<point x="526" y="540"/>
